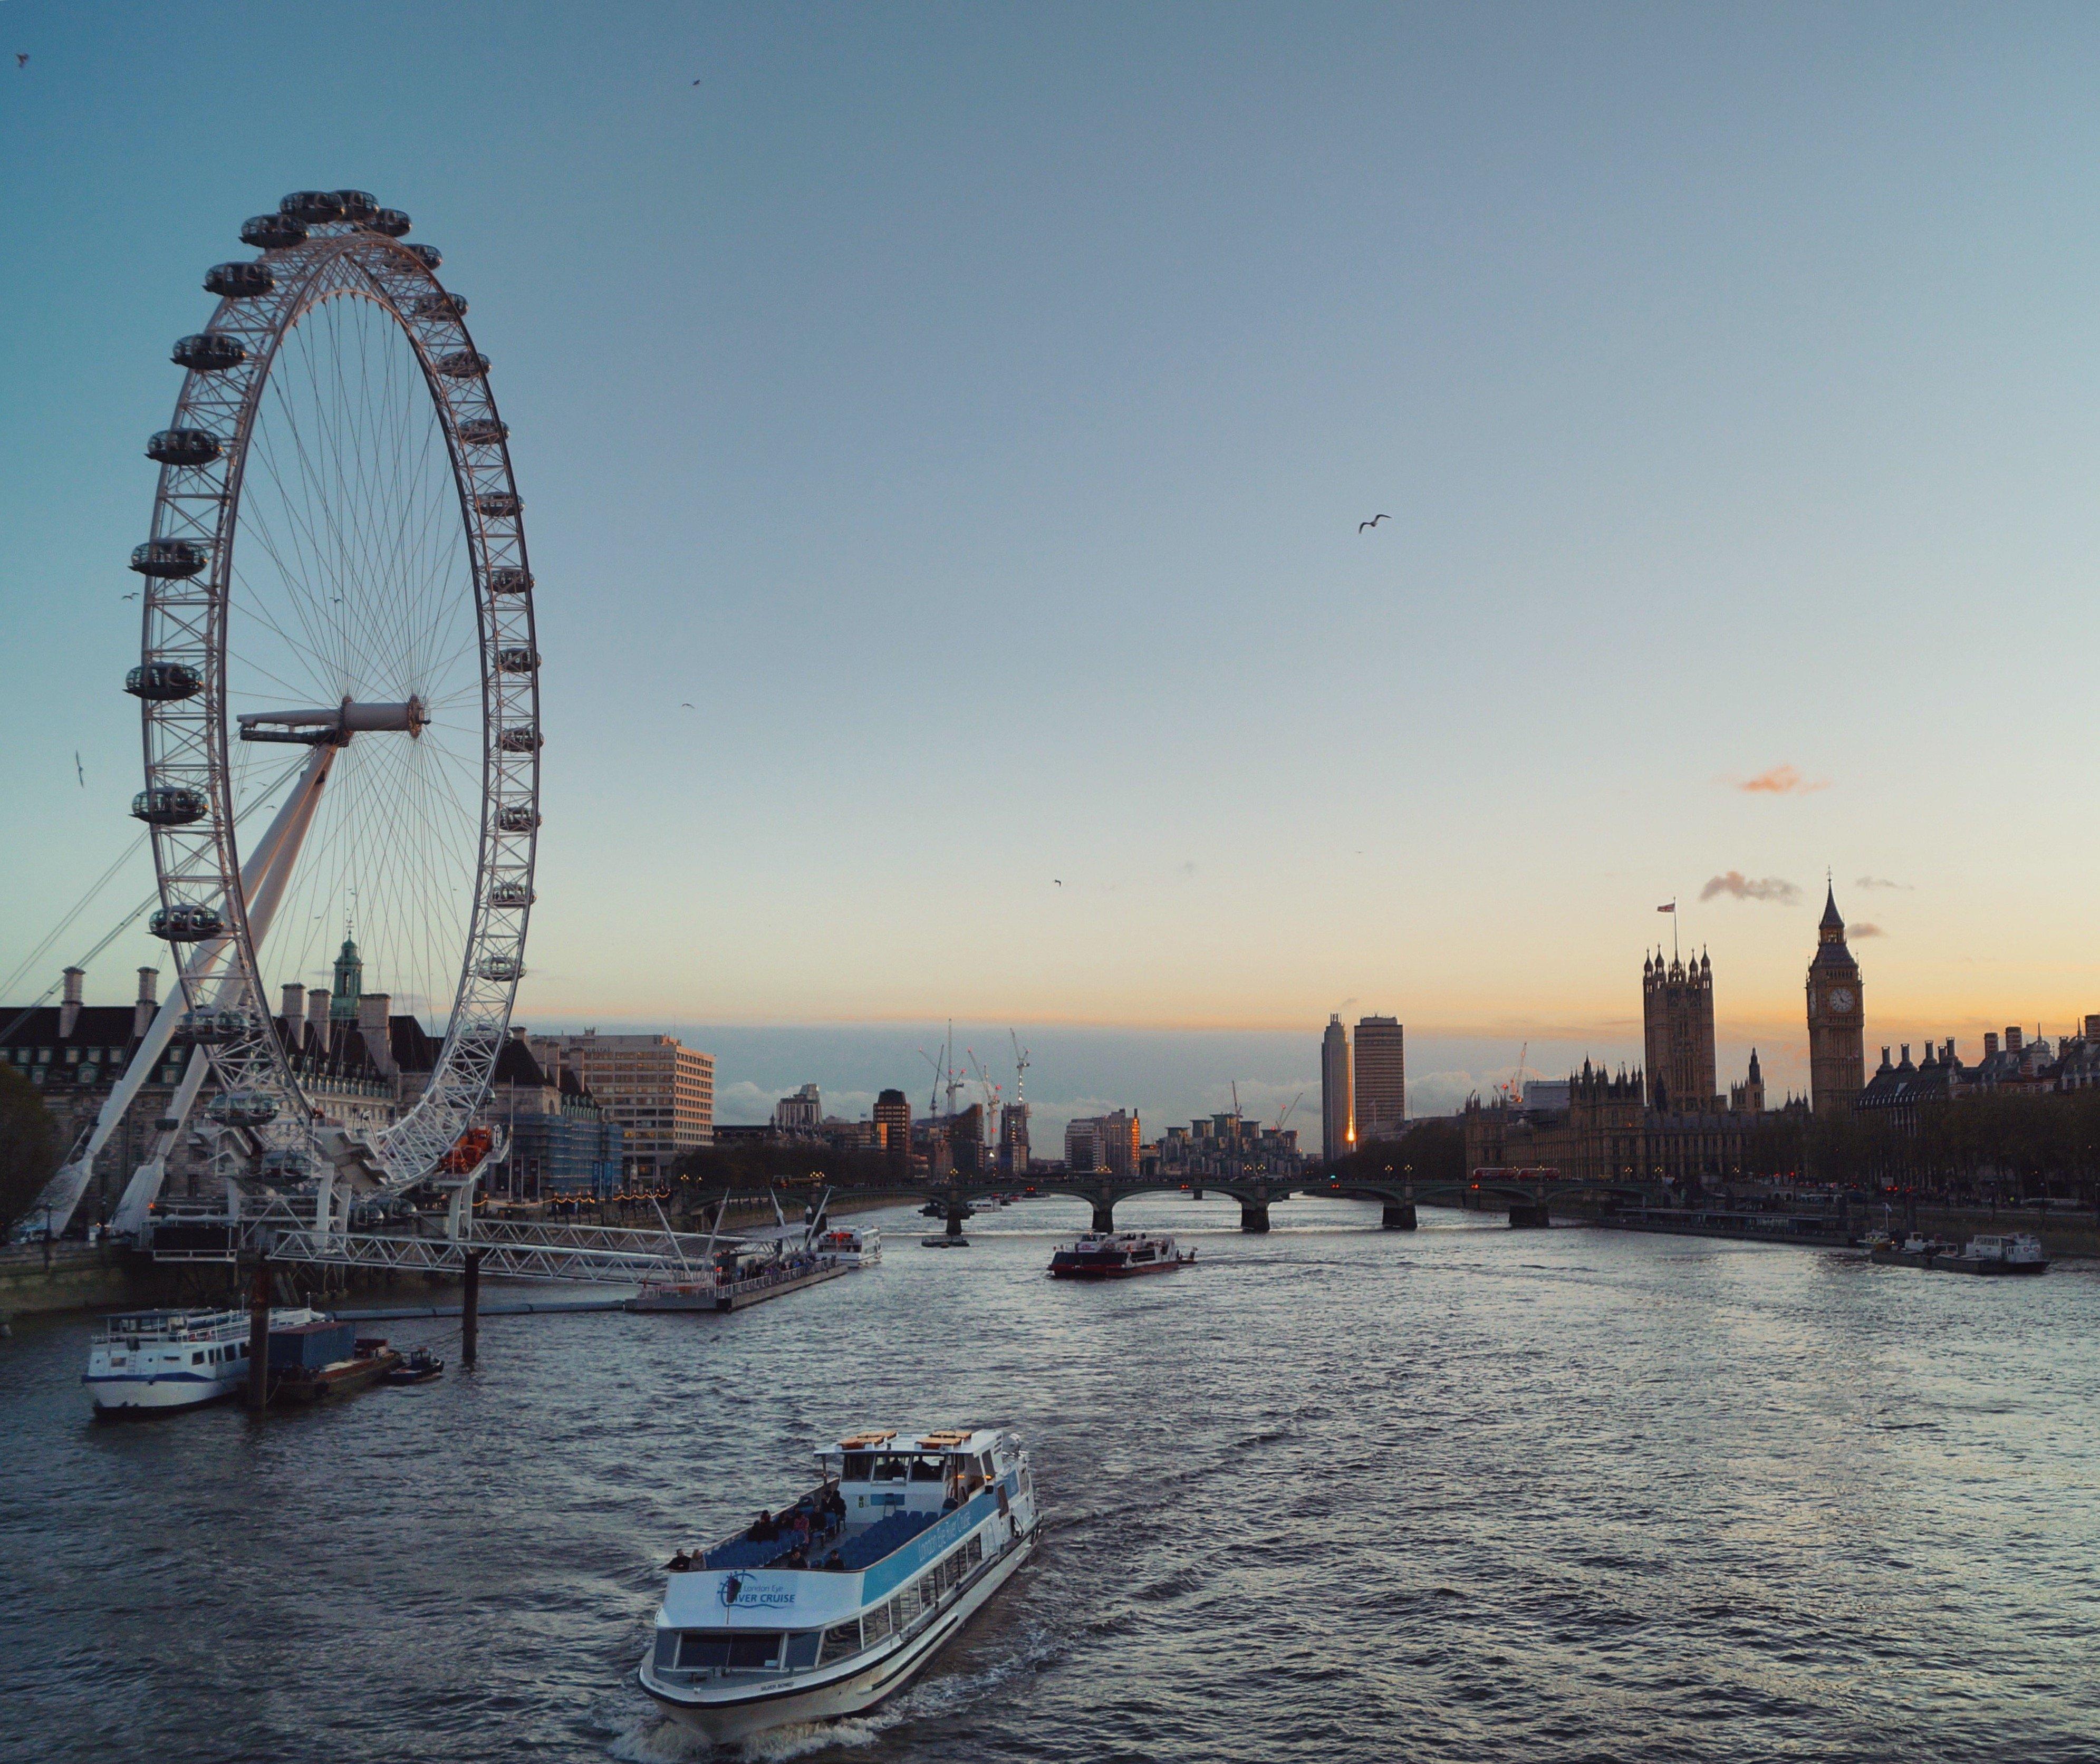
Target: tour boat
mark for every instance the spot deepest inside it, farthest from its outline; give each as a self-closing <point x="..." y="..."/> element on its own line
<point x="1117" y="1256"/>
<point x="852" y="1246"/>
<point x="839" y="1602"/>
<point x="2016" y="1254"/>
<point x="158" y="1360"/>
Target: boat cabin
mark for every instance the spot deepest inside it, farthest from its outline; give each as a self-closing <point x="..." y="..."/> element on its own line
<point x="879" y="1473"/>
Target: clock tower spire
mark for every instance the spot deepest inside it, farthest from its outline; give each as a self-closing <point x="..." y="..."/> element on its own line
<point x="1837" y="1017"/>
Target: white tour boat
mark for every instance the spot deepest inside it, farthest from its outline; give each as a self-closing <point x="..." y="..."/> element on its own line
<point x="1117" y="1256"/>
<point x="164" y="1359"/>
<point x="839" y="1601"/>
<point x="852" y="1246"/>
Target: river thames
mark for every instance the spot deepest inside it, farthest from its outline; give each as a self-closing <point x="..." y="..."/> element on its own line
<point x="1333" y="1494"/>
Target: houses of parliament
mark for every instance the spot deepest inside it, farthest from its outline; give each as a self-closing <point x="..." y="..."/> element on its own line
<point x="1668" y="1119"/>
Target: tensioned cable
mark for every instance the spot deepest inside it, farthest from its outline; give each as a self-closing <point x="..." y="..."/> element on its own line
<point x="123" y="924"/>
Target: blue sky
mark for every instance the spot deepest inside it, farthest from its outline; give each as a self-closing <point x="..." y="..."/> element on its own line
<point x="970" y="410"/>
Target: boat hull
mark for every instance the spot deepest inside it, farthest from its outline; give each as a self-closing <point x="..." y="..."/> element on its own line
<point x="160" y="1394"/>
<point x="1975" y="1264"/>
<point x="724" y="1722"/>
<point x="1083" y="1271"/>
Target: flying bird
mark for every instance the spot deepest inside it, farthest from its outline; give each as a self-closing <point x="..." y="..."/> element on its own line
<point x="1372" y="521"/>
<point x="79" y="768"/>
<point x="1058" y="879"/>
<point x="685" y="707"/>
<point x="127" y="597"/>
<point x="21" y="58"/>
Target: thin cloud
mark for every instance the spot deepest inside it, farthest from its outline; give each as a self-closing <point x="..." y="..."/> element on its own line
<point x="1864" y="930"/>
<point x="1737" y="886"/>
<point x="1782" y="781"/>
<point x="1883" y="882"/>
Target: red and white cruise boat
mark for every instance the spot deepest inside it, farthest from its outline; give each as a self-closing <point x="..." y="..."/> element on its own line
<point x="1117" y="1256"/>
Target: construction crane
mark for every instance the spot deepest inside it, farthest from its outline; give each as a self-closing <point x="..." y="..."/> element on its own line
<point x="985" y="1085"/>
<point x="1020" y="1071"/>
<point x="1512" y="1092"/>
<point x="933" y="1102"/>
<point x="1283" y="1120"/>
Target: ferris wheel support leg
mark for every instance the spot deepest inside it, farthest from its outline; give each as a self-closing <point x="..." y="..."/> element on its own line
<point x="263" y="883"/>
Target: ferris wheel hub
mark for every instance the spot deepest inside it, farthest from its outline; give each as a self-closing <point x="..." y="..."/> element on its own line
<point x="333" y="728"/>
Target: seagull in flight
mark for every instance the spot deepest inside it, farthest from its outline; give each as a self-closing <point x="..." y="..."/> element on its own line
<point x="80" y="770"/>
<point x="127" y="597"/>
<point x="685" y="707"/>
<point x="21" y="58"/>
<point x="1372" y="521"/>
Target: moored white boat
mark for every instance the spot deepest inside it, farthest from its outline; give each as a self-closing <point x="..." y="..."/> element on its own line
<point x="851" y="1245"/>
<point x="2014" y="1253"/>
<point x="161" y="1360"/>
<point x="842" y="1601"/>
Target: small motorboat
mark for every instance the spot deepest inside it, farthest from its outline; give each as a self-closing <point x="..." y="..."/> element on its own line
<point x="419" y="1365"/>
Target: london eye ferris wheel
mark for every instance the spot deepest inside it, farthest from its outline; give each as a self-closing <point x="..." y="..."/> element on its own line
<point x="338" y="626"/>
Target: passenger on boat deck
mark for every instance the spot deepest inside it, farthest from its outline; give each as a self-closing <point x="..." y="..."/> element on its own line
<point x="680" y="1563"/>
<point x="798" y="1558"/>
<point x="763" y="1530"/>
<point x="834" y="1560"/>
<point x="834" y="1503"/>
<point x="801" y="1526"/>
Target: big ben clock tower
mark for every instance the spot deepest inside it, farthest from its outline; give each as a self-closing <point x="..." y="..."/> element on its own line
<point x="1837" y="1018"/>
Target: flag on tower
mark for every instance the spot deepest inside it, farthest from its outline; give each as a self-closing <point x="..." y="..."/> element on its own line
<point x="1670" y="908"/>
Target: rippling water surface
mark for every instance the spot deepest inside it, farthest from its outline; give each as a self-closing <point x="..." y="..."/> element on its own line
<point x="1334" y="1494"/>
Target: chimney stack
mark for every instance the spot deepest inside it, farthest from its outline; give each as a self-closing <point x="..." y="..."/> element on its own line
<point x="2012" y="1038"/>
<point x="373" y="1010"/>
<point x="2092" y="1028"/>
<point x="69" y="1010"/>
<point x="318" y="1000"/>
<point x="294" y="1005"/>
<point x="1990" y="1042"/>
<point x="148" y="1006"/>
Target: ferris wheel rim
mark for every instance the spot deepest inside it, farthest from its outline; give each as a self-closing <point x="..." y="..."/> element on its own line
<point x="198" y="504"/>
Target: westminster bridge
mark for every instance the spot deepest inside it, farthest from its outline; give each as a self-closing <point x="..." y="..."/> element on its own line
<point x="1527" y="1197"/>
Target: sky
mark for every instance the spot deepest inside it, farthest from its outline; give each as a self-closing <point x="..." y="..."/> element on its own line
<point x="970" y="411"/>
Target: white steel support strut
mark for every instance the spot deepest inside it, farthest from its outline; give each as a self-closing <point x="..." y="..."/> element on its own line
<point x="263" y="879"/>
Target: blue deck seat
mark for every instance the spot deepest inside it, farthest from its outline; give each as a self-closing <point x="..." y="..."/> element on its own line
<point x="882" y="1538"/>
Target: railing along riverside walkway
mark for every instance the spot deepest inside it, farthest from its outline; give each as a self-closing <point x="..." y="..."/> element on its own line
<point x="506" y="1249"/>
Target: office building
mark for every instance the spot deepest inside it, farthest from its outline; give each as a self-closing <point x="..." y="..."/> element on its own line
<point x="1335" y="1137"/>
<point x="660" y="1091"/>
<point x="1379" y="1080"/>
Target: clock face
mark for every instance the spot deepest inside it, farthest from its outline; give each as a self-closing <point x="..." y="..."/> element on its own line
<point x="1840" y="998"/>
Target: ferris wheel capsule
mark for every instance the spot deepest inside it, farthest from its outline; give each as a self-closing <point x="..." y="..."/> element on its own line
<point x="390" y="220"/>
<point x="187" y="922"/>
<point x="243" y="1109"/>
<point x="169" y="559"/>
<point x="169" y="805"/>
<point x="209" y="352"/>
<point x="315" y="208"/>
<point x="239" y="281"/>
<point x="272" y="232"/>
<point x="184" y="447"/>
<point x="165" y="682"/>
